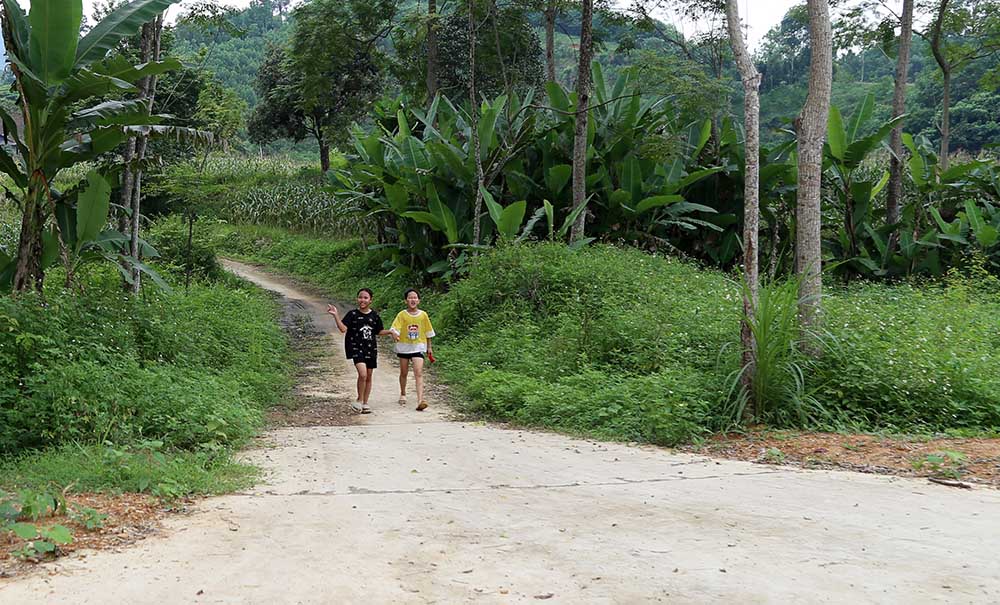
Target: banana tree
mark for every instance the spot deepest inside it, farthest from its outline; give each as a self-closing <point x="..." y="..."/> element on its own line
<point x="856" y="190"/>
<point x="635" y="191"/>
<point x="56" y="73"/>
<point x="415" y="175"/>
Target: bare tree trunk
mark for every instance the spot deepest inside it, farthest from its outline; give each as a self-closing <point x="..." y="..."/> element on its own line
<point x="496" y="40"/>
<point x="474" y="125"/>
<point x="127" y="180"/>
<point x="751" y="188"/>
<point x="150" y="45"/>
<point x="582" y="106"/>
<point x="324" y="156"/>
<point x="432" y="51"/>
<point x="811" y="129"/>
<point x="895" y="195"/>
<point x="945" y="118"/>
<point x="550" y="40"/>
<point x="946" y="67"/>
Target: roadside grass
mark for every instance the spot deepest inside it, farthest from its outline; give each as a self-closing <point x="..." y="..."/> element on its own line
<point x="127" y="468"/>
<point x="103" y="391"/>
<point x="618" y="344"/>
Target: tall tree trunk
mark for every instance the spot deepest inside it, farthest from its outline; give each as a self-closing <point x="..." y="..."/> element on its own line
<point x="946" y="67"/>
<point x="582" y="106"/>
<point x="811" y="135"/>
<point x="895" y="195"/>
<point x="150" y="48"/>
<point x="432" y="51"/>
<point x="550" y="40"/>
<point x="751" y="187"/>
<point x="945" y="118"/>
<point x="125" y="201"/>
<point x="324" y="155"/>
<point x="477" y="209"/>
<point x="496" y="40"/>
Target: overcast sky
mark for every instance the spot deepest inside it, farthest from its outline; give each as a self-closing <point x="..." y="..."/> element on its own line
<point x="758" y="15"/>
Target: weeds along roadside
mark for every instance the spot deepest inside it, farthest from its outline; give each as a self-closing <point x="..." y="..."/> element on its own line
<point x="104" y="392"/>
<point x="618" y="344"/>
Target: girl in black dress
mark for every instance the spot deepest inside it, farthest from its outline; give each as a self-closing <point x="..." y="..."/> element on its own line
<point x="361" y="326"/>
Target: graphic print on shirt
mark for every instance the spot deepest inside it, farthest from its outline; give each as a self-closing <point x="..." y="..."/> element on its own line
<point x="360" y="341"/>
<point x="413" y="331"/>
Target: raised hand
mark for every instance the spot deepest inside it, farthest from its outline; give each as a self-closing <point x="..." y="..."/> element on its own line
<point x="332" y="310"/>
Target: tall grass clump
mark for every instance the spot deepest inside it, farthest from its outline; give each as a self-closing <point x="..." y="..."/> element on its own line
<point x="777" y="393"/>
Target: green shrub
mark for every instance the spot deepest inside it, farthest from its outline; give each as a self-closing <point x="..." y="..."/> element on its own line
<point x="191" y="370"/>
<point x="619" y="344"/>
<point x="544" y="335"/>
<point x="605" y="342"/>
<point x="170" y="238"/>
<point x="913" y="358"/>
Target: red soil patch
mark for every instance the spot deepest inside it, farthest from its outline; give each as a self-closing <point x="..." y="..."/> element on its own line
<point x="130" y="518"/>
<point x="967" y="460"/>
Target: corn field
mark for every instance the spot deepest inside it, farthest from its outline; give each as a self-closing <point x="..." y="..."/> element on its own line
<point x="275" y="192"/>
<point x="296" y="205"/>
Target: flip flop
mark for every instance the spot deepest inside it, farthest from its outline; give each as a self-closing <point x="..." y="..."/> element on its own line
<point x="402" y="400"/>
<point x="357" y="407"/>
<point x="422" y="406"/>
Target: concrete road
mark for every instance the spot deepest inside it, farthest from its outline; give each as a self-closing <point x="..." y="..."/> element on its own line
<point x="409" y="507"/>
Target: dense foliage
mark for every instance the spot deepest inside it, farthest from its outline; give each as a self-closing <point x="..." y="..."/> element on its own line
<point x="415" y="175"/>
<point x="326" y="77"/>
<point x="620" y="344"/>
<point x="185" y="374"/>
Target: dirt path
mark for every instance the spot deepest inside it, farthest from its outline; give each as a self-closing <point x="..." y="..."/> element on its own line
<point x="407" y="507"/>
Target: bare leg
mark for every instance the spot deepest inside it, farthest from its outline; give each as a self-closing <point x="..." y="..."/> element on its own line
<point x="404" y="367"/>
<point x="368" y="386"/>
<point x="363" y="385"/>
<point x="418" y="374"/>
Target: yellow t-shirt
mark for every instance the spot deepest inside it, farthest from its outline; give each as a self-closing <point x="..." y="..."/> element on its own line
<point x="413" y="331"/>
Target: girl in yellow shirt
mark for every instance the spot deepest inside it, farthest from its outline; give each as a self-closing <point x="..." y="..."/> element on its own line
<point x="413" y="332"/>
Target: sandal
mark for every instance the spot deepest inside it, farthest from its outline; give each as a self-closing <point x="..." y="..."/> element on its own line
<point x="422" y="406"/>
<point x="402" y="400"/>
<point x="365" y="409"/>
<point x="357" y="407"/>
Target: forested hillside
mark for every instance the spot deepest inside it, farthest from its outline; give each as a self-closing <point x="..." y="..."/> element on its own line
<point x="690" y="69"/>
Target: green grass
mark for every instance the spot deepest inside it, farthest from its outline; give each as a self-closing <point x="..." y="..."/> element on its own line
<point x="618" y="344"/>
<point x="115" y="469"/>
<point x="150" y="393"/>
